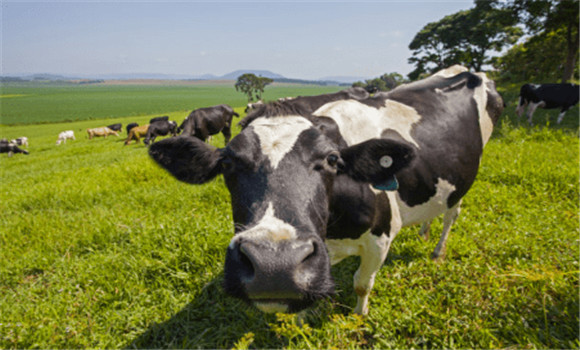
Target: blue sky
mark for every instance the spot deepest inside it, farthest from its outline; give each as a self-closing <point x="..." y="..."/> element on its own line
<point x="307" y="40"/>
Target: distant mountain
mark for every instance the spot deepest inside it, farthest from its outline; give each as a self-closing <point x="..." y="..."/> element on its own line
<point x="338" y="80"/>
<point x="263" y="73"/>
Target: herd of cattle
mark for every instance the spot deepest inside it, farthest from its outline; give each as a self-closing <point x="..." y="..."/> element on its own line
<point x="316" y="179"/>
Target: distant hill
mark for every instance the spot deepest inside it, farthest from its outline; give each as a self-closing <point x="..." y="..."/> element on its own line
<point x="339" y="80"/>
<point x="261" y="73"/>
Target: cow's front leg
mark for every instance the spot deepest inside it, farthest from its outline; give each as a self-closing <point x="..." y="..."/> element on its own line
<point x="373" y="253"/>
<point x="373" y="250"/>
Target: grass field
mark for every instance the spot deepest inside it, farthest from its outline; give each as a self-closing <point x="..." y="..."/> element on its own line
<point x="100" y="248"/>
<point x="28" y="103"/>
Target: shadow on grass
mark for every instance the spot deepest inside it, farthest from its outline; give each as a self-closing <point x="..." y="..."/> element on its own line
<point x="212" y="320"/>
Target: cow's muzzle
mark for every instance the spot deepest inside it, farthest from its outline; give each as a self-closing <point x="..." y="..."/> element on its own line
<point x="284" y="276"/>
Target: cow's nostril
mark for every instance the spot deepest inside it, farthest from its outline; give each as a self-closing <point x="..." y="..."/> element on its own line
<point x="246" y="264"/>
<point x="305" y="252"/>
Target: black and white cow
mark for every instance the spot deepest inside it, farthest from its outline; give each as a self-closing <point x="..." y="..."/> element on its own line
<point x="160" y="128"/>
<point x="308" y="190"/>
<point x="21" y="141"/>
<point x="204" y="122"/>
<point x="10" y="148"/>
<point x="547" y="96"/>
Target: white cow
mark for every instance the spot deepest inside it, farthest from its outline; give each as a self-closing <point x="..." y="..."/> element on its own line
<point x="63" y="136"/>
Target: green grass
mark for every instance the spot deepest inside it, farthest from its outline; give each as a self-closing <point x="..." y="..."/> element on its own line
<point x="100" y="248"/>
<point x="47" y="103"/>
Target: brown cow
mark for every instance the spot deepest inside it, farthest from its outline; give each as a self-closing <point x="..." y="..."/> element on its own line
<point x="137" y="133"/>
<point x="103" y="131"/>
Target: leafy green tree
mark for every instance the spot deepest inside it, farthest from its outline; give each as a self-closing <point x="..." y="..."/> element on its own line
<point x="252" y="86"/>
<point x="539" y="59"/>
<point x="385" y="82"/>
<point x="466" y="38"/>
<point x="548" y="20"/>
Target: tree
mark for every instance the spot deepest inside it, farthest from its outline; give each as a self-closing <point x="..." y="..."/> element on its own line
<point x="385" y="82"/>
<point x="539" y="59"/>
<point x="548" y="19"/>
<point x="465" y="38"/>
<point x="251" y="85"/>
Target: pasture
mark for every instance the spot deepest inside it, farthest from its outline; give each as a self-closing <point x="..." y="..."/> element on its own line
<point x="100" y="248"/>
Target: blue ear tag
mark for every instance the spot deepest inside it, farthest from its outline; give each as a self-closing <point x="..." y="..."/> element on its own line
<point x="390" y="185"/>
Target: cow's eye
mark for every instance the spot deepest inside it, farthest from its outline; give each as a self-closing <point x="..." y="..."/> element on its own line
<point x="332" y="159"/>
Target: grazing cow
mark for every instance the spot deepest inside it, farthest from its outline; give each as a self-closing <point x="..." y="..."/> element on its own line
<point x="63" y="136"/>
<point x="349" y="176"/>
<point x="136" y="133"/>
<point x="251" y="106"/>
<point x="130" y="126"/>
<point x="102" y="131"/>
<point x="160" y="128"/>
<point x="204" y="122"/>
<point x="10" y="148"/>
<point x="21" y="141"/>
<point x="547" y="96"/>
<point x="116" y="127"/>
<point x="158" y="119"/>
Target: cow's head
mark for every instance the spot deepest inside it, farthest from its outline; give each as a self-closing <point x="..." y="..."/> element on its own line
<point x="279" y="171"/>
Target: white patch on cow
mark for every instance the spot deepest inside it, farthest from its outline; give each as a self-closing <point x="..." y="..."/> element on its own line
<point x="270" y="229"/>
<point x="426" y="211"/>
<point x="358" y="122"/>
<point x="272" y="307"/>
<point x="480" y="96"/>
<point x="451" y="71"/>
<point x="278" y="135"/>
<point x="372" y="250"/>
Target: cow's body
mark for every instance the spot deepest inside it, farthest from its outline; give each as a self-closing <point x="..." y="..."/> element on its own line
<point x="160" y="128"/>
<point x="547" y="96"/>
<point x="158" y="119"/>
<point x="65" y="135"/>
<point x="101" y="132"/>
<point x="287" y="198"/>
<point x="253" y="105"/>
<point x="21" y="141"/>
<point x="130" y="126"/>
<point x="10" y="148"/>
<point x="312" y="103"/>
<point x="115" y="127"/>
<point x="136" y="133"/>
<point x="204" y="122"/>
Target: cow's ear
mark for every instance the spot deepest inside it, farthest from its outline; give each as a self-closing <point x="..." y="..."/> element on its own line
<point x="187" y="158"/>
<point x="376" y="162"/>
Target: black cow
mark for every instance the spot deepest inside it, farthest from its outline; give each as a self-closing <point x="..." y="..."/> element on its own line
<point x="160" y="128"/>
<point x="204" y="122"/>
<point x="116" y="127"/>
<point x="130" y="126"/>
<point x="547" y="96"/>
<point x="158" y="119"/>
<point x="10" y="148"/>
<point x="298" y="181"/>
